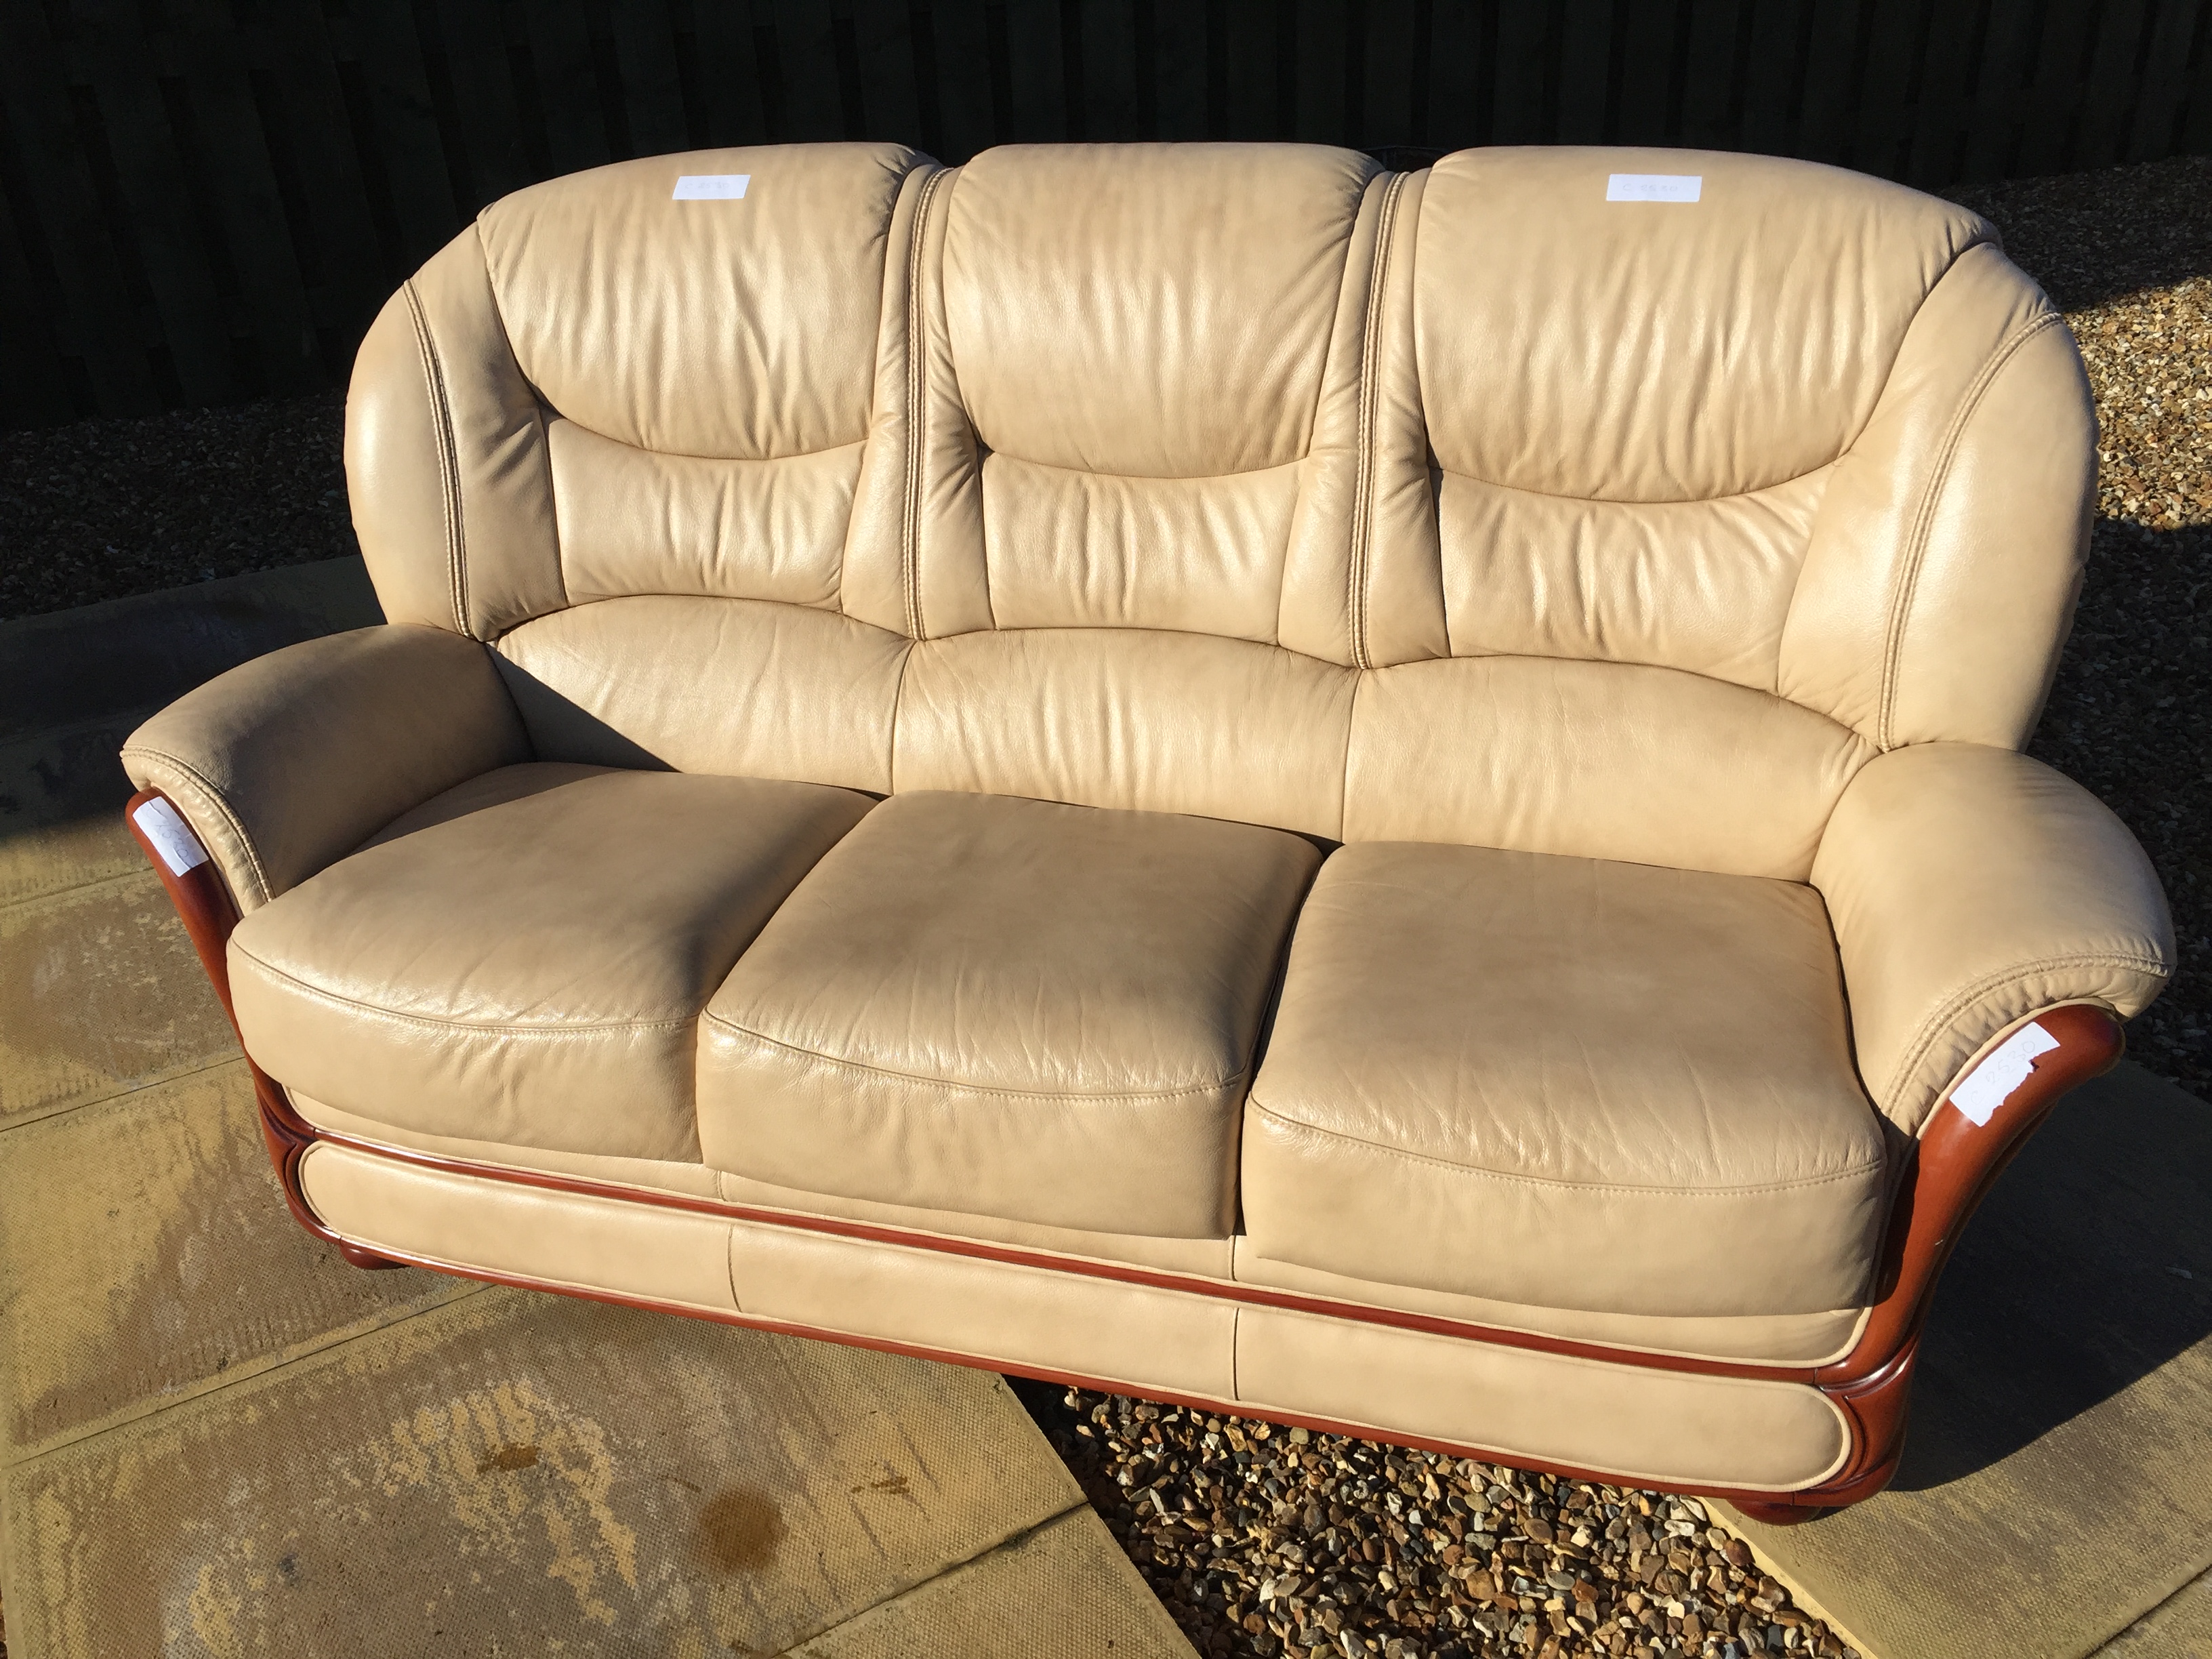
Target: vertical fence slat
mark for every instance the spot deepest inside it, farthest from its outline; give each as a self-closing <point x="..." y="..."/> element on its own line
<point x="1583" y="68"/>
<point x="2160" y="94"/>
<point x="643" y="58"/>
<point x="97" y="319"/>
<point x="34" y="390"/>
<point x="1102" y="92"/>
<point x="1255" y="54"/>
<point x="1462" y="73"/>
<point x="2115" y="70"/>
<point x="882" y="49"/>
<point x="249" y="218"/>
<point x="2054" y="95"/>
<point x="1320" y="71"/>
<point x="807" y="54"/>
<point x="1181" y="100"/>
<point x="2192" y="123"/>
<point x="1386" y="99"/>
<point x="728" y="73"/>
<point x="1936" y="143"/>
<point x="1036" y="70"/>
<point x="966" y="104"/>
<point x="1716" y="73"/>
<point x="1895" y="34"/>
<point x="2001" y="82"/>
<point x="402" y="153"/>
<point x="1639" y="72"/>
<point x="149" y="206"/>
<point x="303" y="111"/>
<point x="1527" y="63"/>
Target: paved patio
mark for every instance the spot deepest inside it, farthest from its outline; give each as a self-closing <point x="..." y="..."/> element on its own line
<point x="217" y="1438"/>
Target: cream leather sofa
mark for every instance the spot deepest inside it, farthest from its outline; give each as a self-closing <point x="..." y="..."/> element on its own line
<point x="1390" y="800"/>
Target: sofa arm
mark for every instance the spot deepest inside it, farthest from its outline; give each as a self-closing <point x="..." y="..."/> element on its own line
<point x="288" y="763"/>
<point x="1970" y="888"/>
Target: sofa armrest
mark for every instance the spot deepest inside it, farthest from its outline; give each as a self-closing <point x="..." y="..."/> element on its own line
<point x="288" y="763"/>
<point x="1970" y="888"/>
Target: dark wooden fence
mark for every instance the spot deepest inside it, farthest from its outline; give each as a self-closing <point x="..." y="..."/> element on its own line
<point x="203" y="201"/>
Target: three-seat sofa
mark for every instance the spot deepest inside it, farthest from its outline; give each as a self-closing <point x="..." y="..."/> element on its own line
<point x="1387" y="800"/>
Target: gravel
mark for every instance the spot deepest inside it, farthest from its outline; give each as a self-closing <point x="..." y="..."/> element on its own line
<point x="103" y="509"/>
<point x="1265" y="1540"/>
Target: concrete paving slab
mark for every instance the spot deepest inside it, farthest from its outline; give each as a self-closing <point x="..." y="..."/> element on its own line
<point x="517" y="1473"/>
<point x="2054" y="1490"/>
<point x="2180" y="1627"/>
<point x="1013" y="1604"/>
<point x="99" y="993"/>
<point x="73" y="684"/>
<point x="146" y="1255"/>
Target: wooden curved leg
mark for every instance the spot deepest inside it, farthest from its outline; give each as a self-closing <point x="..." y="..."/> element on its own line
<point x="364" y="1258"/>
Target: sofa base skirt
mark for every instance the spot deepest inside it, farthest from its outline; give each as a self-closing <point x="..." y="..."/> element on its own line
<point x="1619" y="1422"/>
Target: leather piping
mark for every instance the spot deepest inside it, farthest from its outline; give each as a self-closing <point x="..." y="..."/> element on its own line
<point x="1369" y="394"/>
<point x="449" y="463"/>
<point x="917" y="394"/>
<point x="1924" y="522"/>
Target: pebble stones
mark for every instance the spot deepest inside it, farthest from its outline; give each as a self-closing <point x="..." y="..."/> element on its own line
<point x="1272" y="1542"/>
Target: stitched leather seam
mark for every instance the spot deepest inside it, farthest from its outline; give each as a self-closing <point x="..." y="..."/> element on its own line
<point x="449" y="466"/>
<point x="565" y="1029"/>
<point x="1230" y="1082"/>
<point x="216" y="798"/>
<point x="917" y="393"/>
<point x="1906" y="583"/>
<point x="1933" y="1030"/>
<point x="1370" y="393"/>
<point x="1852" y="1173"/>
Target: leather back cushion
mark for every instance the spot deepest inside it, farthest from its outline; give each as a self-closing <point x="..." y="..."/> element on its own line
<point x="597" y="390"/>
<point x="1141" y="335"/>
<point x="1244" y="480"/>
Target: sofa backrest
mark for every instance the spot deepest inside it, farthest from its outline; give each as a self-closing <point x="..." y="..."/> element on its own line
<point x="1467" y="504"/>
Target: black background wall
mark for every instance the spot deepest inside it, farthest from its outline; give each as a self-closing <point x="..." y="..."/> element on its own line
<point x="202" y="201"/>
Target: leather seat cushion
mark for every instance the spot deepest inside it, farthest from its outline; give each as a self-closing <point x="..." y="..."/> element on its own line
<point x="1568" y="1082"/>
<point x="1007" y="1007"/>
<point x="524" y="961"/>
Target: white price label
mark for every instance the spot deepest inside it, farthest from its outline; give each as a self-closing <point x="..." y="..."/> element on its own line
<point x="1654" y="186"/>
<point x="712" y="187"/>
<point x="2003" y="1070"/>
<point x="173" y="838"/>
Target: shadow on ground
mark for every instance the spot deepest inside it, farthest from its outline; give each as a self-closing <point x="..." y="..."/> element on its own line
<point x="2088" y="1267"/>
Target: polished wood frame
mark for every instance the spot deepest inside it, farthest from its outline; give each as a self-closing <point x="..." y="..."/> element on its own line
<point x="1953" y="1165"/>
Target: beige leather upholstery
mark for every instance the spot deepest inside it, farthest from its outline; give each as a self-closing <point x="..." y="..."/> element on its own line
<point x="1660" y="1426"/>
<point x="532" y="971"/>
<point x="1008" y="1007"/>
<point x="1651" y="597"/>
<point x="1795" y="1338"/>
<point x="291" y="761"/>
<point x="1568" y="1083"/>
<point x="1970" y="887"/>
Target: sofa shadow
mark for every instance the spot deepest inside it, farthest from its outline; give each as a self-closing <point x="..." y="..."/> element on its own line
<point x="2088" y="1267"/>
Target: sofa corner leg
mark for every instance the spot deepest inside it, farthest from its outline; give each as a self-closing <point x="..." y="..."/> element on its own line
<point x="361" y="1256"/>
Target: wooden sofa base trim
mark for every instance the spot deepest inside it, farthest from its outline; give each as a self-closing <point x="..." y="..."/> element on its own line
<point x="1955" y="1161"/>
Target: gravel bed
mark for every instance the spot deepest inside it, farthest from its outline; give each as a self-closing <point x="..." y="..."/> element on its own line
<point x="103" y="509"/>
<point x="1266" y="1540"/>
